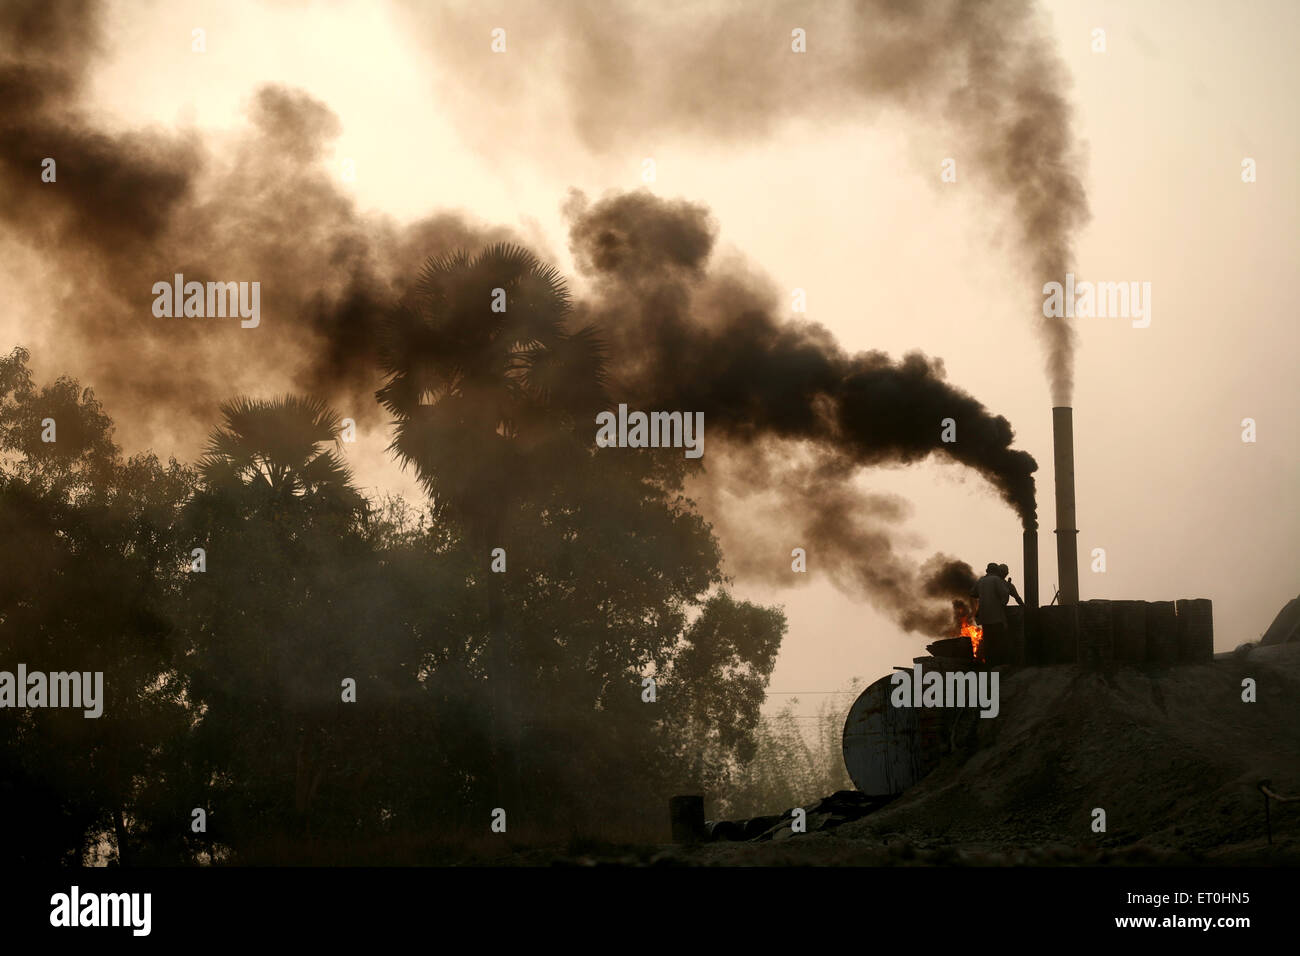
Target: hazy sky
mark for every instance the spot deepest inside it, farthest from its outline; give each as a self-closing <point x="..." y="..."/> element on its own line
<point x="848" y="205"/>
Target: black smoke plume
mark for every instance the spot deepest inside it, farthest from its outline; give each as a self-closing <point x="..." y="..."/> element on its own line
<point x="128" y="209"/>
<point x="985" y="75"/>
<point x="132" y="208"/>
<point x="685" y="335"/>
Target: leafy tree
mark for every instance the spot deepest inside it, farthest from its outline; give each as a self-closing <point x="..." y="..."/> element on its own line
<point x="482" y="378"/>
<point x="717" y="680"/>
<point x="89" y="570"/>
<point x="289" y="606"/>
<point x="83" y="447"/>
<point x="224" y="687"/>
<point x="607" y="559"/>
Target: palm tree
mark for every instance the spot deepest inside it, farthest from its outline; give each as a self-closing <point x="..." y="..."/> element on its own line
<point x="278" y="450"/>
<point x="472" y="390"/>
<point x="482" y="377"/>
<point x="278" y="459"/>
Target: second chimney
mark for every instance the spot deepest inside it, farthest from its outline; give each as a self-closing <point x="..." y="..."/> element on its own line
<point x="1067" y="549"/>
<point x="1031" y="654"/>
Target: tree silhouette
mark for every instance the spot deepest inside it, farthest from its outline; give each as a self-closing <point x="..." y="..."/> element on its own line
<point x="276" y="621"/>
<point x="278" y="450"/>
<point x="224" y="686"/>
<point x="484" y="383"/>
<point x="473" y="390"/>
<point x="88" y="572"/>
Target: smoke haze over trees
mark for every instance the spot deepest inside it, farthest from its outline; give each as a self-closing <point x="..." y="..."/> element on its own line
<point x="684" y="331"/>
<point x="473" y="689"/>
<point x="223" y="686"/>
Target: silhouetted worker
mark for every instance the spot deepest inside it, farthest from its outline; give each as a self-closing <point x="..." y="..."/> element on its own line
<point x="991" y="593"/>
<point x="1003" y="572"/>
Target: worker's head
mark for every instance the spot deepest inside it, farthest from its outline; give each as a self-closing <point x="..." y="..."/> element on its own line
<point x="1003" y="570"/>
<point x="992" y="568"/>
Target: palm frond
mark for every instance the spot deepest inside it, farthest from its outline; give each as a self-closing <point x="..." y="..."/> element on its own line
<point x="469" y="387"/>
<point x="281" y="443"/>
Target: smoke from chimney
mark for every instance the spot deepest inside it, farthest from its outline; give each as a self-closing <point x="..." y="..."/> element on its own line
<point x="685" y="334"/>
<point x="985" y="76"/>
<point x="131" y="208"/>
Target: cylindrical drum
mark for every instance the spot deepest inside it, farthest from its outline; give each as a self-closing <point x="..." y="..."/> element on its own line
<point x="687" y="816"/>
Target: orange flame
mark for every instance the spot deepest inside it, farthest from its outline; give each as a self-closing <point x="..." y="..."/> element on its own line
<point x="976" y="635"/>
<point x="964" y="622"/>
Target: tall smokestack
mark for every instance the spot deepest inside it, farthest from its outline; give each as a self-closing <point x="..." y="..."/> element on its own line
<point x="1031" y="596"/>
<point x="1031" y="568"/>
<point x="1067" y="549"/>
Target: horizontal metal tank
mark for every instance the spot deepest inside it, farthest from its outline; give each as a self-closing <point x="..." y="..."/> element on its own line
<point x="887" y="748"/>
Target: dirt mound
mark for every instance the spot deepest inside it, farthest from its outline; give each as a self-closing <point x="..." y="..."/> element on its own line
<point x="1172" y="755"/>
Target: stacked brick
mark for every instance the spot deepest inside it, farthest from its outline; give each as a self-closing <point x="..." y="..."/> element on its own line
<point x="1100" y="633"/>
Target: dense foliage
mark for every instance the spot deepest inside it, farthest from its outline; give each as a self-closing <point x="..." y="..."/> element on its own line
<point x="225" y="670"/>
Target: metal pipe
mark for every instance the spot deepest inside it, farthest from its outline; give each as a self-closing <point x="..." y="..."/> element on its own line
<point x="1067" y="548"/>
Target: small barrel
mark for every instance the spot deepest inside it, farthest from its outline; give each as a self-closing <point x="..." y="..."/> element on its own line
<point x="1162" y="633"/>
<point x="1195" y="630"/>
<point x="687" y="816"/>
